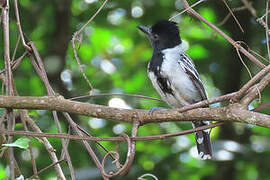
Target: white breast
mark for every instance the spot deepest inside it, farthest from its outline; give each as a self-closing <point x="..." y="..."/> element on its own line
<point x="184" y="90"/>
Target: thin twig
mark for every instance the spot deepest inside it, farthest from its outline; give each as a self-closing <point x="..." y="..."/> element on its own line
<point x="250" y="83"/>
<point x="87" y="138"/>
<point x="263" y="16"/>
<point x="193" y="5"/>
<point x="19" y="26"/>
<point x="207" y="102"/>
<point x="29" y="144"/>
<point x="2" y="117"/>
<point x="15" y="49"/>
<point x="242" y="61"/>
<point x="114" y="94"/>
<point x="46" y="168"/>
<point x="64" y="146"/>
<point x="262" y="22"/>
<point x="75" y="37"/>
<point x="267" y="30"/>
<point x="42" y="73"/>
<point x="250" y="7"/>
<point x="8" y="84"/>
<point x="100" y="145"/>
<point x="231" y="12"/>
<point x="250" y="96"/>
<point x="261" y="107"/>
<point x="46" y="143"/>
<point x="258" y="55"/>
<point x="229" y="39"/>
<point x="16" y="63"/>
<point x="41" y="67"/>
<point x="125" y="166"/>
<point x="50" y="92"/>
<point x="130" y="154"/>
<point x="87" y="146"/>
<point x="132" y="149"/>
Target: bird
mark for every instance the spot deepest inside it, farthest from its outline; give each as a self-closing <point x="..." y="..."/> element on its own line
<point x="174" y="76"/>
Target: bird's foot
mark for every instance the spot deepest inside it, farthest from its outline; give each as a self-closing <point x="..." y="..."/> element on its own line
<point x="154" y="109"/>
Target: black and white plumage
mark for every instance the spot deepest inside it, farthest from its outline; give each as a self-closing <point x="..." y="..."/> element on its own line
<point x="174" y="76"/>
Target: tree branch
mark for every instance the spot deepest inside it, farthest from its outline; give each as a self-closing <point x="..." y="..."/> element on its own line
<point x="229" y="39"/>
<point x="233" y="112"/>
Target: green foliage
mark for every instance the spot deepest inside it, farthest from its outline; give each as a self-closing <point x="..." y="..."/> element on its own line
<point x="2" y="172"/>
<point x="198" y="52"/>
<point x="114" y="56"/>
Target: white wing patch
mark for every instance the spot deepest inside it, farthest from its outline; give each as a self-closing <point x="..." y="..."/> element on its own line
<point x="200" y="140"/>
<point x="188" y="66"/>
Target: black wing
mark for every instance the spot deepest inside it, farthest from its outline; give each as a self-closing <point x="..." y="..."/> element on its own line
<point x="202" y="137"/>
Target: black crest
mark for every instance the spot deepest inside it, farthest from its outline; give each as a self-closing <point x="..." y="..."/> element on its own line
<point x="165" y="27"/>
<point x="168" y="33"/>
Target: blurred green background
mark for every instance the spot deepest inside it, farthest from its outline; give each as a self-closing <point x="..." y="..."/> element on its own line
<point x="114" y="55"/>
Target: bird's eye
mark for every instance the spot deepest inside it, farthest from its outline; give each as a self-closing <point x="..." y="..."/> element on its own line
<point x="155" y="37"/>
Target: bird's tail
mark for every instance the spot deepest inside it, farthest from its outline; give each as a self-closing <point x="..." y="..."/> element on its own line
<point x="203" y="142"/>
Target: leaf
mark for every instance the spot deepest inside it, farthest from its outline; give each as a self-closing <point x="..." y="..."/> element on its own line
<point x="20" y="143"/>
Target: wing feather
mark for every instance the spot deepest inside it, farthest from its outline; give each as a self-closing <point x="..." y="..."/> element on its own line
<point x="188" y="67"/>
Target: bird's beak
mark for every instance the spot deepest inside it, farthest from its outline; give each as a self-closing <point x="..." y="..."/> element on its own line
<point x="145" y="29"/>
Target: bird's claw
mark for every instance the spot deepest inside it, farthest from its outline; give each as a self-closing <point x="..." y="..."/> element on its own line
<point x="154" y="109"/>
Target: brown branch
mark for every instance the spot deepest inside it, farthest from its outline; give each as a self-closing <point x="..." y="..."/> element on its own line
<point x="250" y="7"/>
<point x="64" y="146"/>
<point x="229" y="39"/>
<point x="23" y="119"/>
<point x="76" y="36"/>
<point x="39" y="67"/>
<point x="114" y="94"/>
<point x="231" y="12"/>
<point x="267" y="29"/>
<point x="129" y="159"/>
<point x="48" y="167"/>
<point x="193" y="5"/>
<point x="264" y="106"/>
<point x="8" y="84"/>
<point x="206" y="102"/>
<point x="262" y="22"/>
<point x="255" y="91"/>
<point x="91" y="138"/>
<point x="16" y="48"/>
<point x="131" y="150"/>
<point x="88" y="134"/>
<point x="19" y="26"/>
<point x="16" y="63"/>
<point x="250" y="83"/>
<point x="46" y="143"/>
<point x="233" y="112"/>
<point x="42" y="74"/>
<point x="85" y="143"/>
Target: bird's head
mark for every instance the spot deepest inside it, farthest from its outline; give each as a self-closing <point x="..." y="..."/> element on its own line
<point x="162" y="35"/>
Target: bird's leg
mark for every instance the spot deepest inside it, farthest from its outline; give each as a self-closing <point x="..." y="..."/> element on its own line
<point x="151" y="110"/>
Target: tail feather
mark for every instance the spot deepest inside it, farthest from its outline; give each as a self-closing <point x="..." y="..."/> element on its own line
<point x="203" y="142"/>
